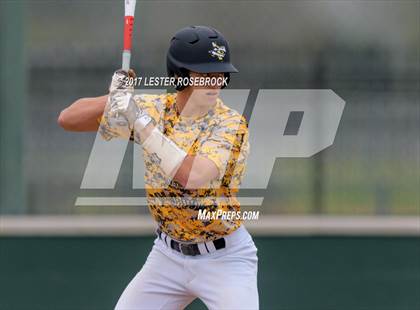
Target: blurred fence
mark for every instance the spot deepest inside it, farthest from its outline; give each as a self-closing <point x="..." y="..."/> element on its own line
<point x="358" y="49"/>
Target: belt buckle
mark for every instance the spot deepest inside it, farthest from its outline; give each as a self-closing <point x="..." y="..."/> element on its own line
<point x="186" y="249"/>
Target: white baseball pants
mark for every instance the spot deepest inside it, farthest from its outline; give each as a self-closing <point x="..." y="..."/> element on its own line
<point x="224" y="279"/>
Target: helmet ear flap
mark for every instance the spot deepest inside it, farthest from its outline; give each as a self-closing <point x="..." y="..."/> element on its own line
<point x="177" y="73"/>
<point x="182" y="73"/>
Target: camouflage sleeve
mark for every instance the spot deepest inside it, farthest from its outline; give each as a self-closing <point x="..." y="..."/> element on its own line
<point x="150" y="104"/>
<point x="228" y="148"/>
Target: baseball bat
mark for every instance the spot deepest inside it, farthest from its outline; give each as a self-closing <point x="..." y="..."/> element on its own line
<point x="129" y="9"/>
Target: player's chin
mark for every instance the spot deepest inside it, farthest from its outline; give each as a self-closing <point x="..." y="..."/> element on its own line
<point x="209" y="96"/>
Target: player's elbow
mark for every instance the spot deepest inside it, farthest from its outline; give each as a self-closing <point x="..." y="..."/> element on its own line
<point x="63" y="120"/>
<point x="68" y="118"/>
<point x="66" y="121"/>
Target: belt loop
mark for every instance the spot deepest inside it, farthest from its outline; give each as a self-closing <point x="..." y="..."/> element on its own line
<point x="202" y="248"/>
<point x="210" y="246"/>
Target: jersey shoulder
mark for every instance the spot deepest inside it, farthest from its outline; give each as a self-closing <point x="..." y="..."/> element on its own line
<point x="229" y="117"/>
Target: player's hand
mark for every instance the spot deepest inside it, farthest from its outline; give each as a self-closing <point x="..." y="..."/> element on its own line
<point x="120" y="110"/>
<point x="119" y="80"/>
<point x="119" y="114"/>
<point x="121" y="107"/>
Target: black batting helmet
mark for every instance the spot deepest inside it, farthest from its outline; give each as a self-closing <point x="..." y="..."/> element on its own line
<point x="200" y="49"/>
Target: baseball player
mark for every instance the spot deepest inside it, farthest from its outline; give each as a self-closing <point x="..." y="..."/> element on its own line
<point x="195" y="149"/>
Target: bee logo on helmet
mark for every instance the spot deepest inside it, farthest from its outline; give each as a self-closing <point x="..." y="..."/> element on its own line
<point x="218" y="51"/>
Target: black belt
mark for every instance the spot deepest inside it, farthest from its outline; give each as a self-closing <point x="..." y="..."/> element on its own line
<point x="191" y="249"/>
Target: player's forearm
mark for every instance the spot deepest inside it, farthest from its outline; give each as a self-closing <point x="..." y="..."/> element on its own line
<point x="83" y="114"/>
<point x="196" y="172"/>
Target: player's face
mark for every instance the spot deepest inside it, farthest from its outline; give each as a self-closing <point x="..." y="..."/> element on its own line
<point x="206" y="95"/>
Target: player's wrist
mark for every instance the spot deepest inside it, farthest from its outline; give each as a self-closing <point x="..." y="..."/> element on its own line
<point x="170" y="155"/>
<point x="142" y="121"/>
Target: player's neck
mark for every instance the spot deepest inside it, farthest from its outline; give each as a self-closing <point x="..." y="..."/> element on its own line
<point x="186" y="106"/>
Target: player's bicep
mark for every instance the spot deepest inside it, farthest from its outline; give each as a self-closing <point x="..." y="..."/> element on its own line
<point x="217" y="154"/>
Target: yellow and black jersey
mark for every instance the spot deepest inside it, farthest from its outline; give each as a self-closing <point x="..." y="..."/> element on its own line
<point x="221" y="136"/>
